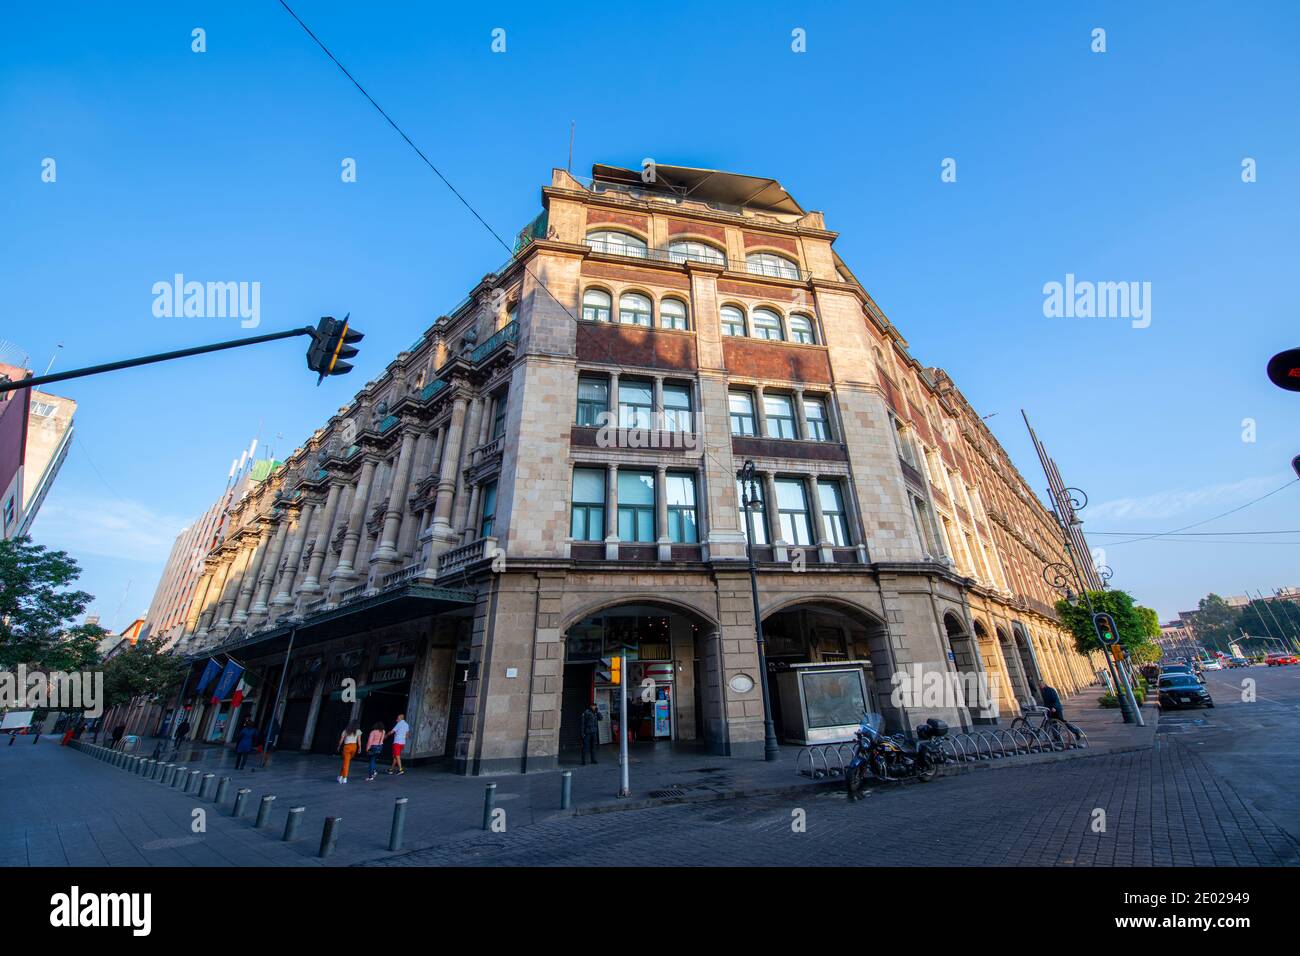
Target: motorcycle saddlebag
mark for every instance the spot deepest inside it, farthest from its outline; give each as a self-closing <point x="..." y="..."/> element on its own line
<point x="931" y="728"/>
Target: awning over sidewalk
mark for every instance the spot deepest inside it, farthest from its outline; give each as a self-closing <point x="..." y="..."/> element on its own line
<point x="394" y="606"/>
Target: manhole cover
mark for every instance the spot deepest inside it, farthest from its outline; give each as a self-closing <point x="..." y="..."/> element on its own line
<point x="668" y="793"/>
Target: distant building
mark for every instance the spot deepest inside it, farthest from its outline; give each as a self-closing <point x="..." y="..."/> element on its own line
<point x="13" y="446"/>
<point x="49" y="436"/>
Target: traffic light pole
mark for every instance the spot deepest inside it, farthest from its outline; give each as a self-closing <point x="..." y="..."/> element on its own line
<point x="150" y="359"/>
<point x="624" y="786"/>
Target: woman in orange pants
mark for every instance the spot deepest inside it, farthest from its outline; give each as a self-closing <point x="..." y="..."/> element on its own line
<point x="349" y="744"/>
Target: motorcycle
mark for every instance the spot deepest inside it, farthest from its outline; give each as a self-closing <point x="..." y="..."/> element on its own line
<point x="892" y="757"/>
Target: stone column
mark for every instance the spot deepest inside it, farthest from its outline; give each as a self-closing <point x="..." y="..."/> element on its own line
<point x="387" y="550"/>
<point x="196" y="604"/>
<point x="284" y="593"/>
<point x="356" y="522"/>
<point x="209" y="612"/>
<point x="772" y="510"/>
<point x="233" y="585"/>
<point x="248" y="583"/>
<point x="657" y="412"/>
<point x="471" y="521"/>
<point x="447" y="472"/>
<point x="611" y="514"/>
<point x="458" y="523"/>
<point x="661" y="506"/>
<point x="760" y="412"/>
<point x="821" y="542"/>
<point x="311" y="584"/>
<point x="801" y="416"/>
<point x="271" y="567"/>
<point x="412" y="522"/>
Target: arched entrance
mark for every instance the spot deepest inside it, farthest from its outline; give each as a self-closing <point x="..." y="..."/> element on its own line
<point x="1025" y="651"/>
<point x="1015" y="670"/>
<point x="966" y="659"/>
<point x="666" y="657"/>
<point x="815" y="650"/>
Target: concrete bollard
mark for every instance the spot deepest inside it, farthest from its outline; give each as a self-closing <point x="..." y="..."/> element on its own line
<point x="209" y="785"/>
<point x="156" y="772"/>
<point x="292" y="822"/>
<point x="223" y="790"/>
<point x="329" y="836"/>
<point x="566" y="789"/>
<point x="241" y="800"/>
<point x="489" y="804"/>
<point x="168" y="774"/>
<point x="264" y="812"/>
<point x="196" y="780"/>
<point x="179" y="777"/>
<point x="399" y="824"/>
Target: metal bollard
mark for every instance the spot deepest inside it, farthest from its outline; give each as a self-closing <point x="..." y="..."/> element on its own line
<point x="178" y="775"/>
<point x="223" y="790"/>
<point x="566" y="789"/>
<point x="292" y="823"/>
<point x="489" y="803"/>
<point x="264" y="812"/>
<point x="196" y="780"/>
<point x="399" y="824"/>
<point x="329" y="836"/>
<point x="156" y="771"/>
<point x="241" y="798"/>
<point x="209" y="784"/>
<point x="168" y="774"/>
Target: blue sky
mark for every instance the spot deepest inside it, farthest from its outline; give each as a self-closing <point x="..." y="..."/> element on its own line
<point x="224" y="166"/>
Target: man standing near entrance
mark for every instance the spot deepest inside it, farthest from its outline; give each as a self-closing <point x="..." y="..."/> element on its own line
<point x="398" y="733"/>
<point x="590" y="732"/>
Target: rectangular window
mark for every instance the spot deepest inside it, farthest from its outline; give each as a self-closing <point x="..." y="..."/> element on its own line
<point x="677" y="408"/>
<point x="499" y="416"/>
<point x="588" y="523"/>
<point x="779" y="412"/>
<point x="636" y="505"/>
<point x="43" y="409"/>
<point x="905" y="449"/>
<point x="924" y="526"/>
<point x="742" y="413"/>
<point x="593" y="399"/>
<point x="814" y="410"/>
<point x="682" y="525"/>
<point x="488" y="524"/>
<point x="835" y="522"/>
<point x="757" y="518"/>
<point x="636" y="404"/>
<point x="792" y="506"/>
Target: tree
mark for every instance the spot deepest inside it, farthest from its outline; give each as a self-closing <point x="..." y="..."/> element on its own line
<point x="1215" y="624"/>
<point x="37" y="608"/>
<point x="1258" y="620"/>
<point x="1134" y="626"/>
<point x="1150" y="621"/>
<point x="142" y="671"/>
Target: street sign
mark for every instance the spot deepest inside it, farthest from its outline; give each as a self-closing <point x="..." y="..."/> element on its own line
<point x="1284" y="370"/>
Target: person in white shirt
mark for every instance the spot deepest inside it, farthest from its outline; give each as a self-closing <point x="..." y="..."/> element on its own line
<point x="398" y="733"/>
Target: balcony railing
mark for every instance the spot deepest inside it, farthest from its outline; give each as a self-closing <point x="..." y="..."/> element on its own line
<point x="403" y="576"/>
<point x="665" y="255"/>
<point x="486" y="450"/>
<point x="387" y="423"/>
<point x="462" y="557"/>
<point x="432" y="389"/>
<point x="506" y="335"/>
<point x="352" y="593"/>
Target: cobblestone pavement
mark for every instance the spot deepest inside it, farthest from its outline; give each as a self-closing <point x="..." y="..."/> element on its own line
<point x="1163" y="807"/>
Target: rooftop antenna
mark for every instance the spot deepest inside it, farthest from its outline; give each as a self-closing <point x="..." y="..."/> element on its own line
<point x="53" y="357"/>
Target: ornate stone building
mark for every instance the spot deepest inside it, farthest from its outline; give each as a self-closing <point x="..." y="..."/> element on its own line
<point x="547" y="479"/>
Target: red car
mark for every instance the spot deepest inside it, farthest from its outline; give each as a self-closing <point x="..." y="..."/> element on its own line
<point x="1277" y="660"/>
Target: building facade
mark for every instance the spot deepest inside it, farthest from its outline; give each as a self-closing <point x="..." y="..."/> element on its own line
<point x="547" y="479"/>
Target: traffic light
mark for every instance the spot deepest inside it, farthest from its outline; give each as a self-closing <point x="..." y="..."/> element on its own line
<point x="616" y="670"/>
<point x="1284" y="370"/>
<point x="331" y="343"/>
<point x="1107" y="632"/>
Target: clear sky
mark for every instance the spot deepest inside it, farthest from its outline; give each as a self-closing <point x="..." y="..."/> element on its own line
<point x="225" y="166"/>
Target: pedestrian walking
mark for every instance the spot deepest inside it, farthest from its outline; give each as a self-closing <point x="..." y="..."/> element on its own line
<point x="590" y="728"/>
<point x="1052" y="701"/>
<point x="374" y="747"/>
<point x="118" y="733"/>
<point x="398" y="733"/>
<point x="349" y="744"/>
<point x="244" y="743"/>
<point x="183" y="730"/>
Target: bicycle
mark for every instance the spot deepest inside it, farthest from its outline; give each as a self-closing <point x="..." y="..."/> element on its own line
<point x="1039" y="720"/>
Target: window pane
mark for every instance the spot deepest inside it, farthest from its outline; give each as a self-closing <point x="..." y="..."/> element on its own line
<point x="618" y="243"/>
<point x="779" y="412"/>
<point x="589" y="485"/>
<point x="677" y="408"/>
<point x="636" y="488"/>
<point x="757" y="516"/>
<point x="815" y="412"/>
<point x="742" y="413"/>
<point x="767" y="325"/>
<point x="801" y="330"/>
<point x="681" y="251"/>
<point x="733" y="321"/>
<point x="593" y="390"/>
<point x="680" y="489"/>
<point x="790" y="495"/>
<point x="596" y="305"/>
<point x="672" y="314"/>
<point x="634" y="309"/>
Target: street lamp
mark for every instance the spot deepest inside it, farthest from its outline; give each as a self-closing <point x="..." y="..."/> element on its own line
<point x="749" y="501"/>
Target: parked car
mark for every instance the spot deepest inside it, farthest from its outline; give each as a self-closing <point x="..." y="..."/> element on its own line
<point x="1184" y="670"/>
<point x="1278" y="660"/>
<point x="1183" y="690"/>
<point x="1212" y="665"/>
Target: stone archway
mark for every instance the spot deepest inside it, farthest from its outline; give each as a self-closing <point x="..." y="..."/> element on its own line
<point x="1015" y="668"/>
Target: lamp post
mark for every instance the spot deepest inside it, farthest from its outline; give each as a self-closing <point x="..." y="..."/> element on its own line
<point x="749" y="500"/>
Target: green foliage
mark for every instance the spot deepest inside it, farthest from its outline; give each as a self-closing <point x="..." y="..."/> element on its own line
<point x="142" y="671"/>
<point x="1216" y="622"/>
<point x="1150" y="620"/>
<point x="1134" y="627"/>
<point x="37" y="608"/>
<point x="1274" y="619"/>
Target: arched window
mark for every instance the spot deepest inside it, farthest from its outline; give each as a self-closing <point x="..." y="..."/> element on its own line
<point x="770" y="264"/>
<point x="801" y="330"/>
<point x="766" y="324"/>
<point x="683" y="250"/>
<point x="634" y="309"/>
<point x="672" y="314"/>
<point x="596" y="305"/>
<point x="617" y="243"/>
<point x="733" y="321"/>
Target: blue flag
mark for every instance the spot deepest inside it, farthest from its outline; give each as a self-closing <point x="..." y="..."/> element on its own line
<point x="209" y="675"/>
<point x="229" y="677"/>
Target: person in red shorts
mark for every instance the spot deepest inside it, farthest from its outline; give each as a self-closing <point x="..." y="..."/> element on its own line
<point x="398" y="733"/>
